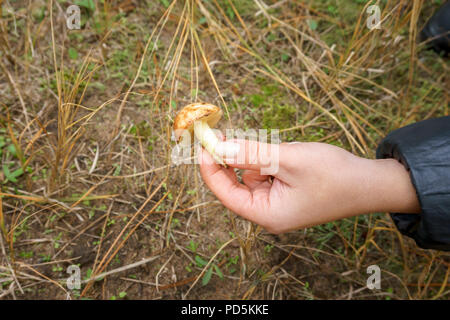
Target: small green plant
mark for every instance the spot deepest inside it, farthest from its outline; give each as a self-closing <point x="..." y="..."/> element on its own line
<point x="73" y="53"/>
<point x="15" y="166"/>
<point x="26" y="254"/>
<point x="231" y="264"/>
<point x="88" y="4"/>
<point x="88" y="274"/>
<point x="192" y="246"/>
<point x="268" y="248"/>
<point x="57" y="269"/>
<point x="208" y="274"/>
<point x="11" y="175"/>
<point x="390" y="290"/>
<point x="56" y="240"/>
<point x="121" y="295"/>
<point x="46" y="257"/>
<point x="176" y="223"/>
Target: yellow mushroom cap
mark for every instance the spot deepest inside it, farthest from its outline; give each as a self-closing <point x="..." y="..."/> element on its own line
<point x="199" y="111"/>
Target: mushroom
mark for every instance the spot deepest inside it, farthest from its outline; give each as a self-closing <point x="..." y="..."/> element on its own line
<point x="198" y="118"/>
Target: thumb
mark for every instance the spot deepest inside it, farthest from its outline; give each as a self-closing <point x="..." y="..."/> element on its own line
<point x="249" y="154"/>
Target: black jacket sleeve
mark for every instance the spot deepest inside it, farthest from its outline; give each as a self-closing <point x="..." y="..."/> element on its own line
<point x="424" y="149"/>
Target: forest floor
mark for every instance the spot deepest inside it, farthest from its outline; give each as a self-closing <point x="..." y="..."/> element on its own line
<point x="85" y="143"/>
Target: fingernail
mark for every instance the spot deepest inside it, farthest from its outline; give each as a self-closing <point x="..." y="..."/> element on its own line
<point x="227" y="149"/>
<point x="230" y="160"/>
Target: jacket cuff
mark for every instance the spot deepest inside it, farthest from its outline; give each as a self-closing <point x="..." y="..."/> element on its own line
<point x="424" y="149"/>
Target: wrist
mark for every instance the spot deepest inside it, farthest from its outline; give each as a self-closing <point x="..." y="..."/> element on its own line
<point x="388" y="187"/>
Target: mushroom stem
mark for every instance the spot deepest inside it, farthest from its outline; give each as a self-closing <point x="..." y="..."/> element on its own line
<point x="207" y="138"/>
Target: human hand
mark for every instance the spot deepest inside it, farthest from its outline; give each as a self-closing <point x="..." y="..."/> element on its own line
<point x="315" y="183"/>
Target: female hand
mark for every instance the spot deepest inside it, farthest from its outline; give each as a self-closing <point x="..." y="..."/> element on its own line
<point x="315" y="183"/>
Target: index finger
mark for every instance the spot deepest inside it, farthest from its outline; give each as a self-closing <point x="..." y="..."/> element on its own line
<point x="225" y="185"/>
<point x="252" y="155"/>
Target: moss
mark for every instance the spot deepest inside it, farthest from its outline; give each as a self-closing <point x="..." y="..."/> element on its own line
<point x="279" y="116"/>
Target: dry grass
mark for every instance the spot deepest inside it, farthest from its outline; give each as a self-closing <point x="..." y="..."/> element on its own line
<point x="86" y="121"/>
